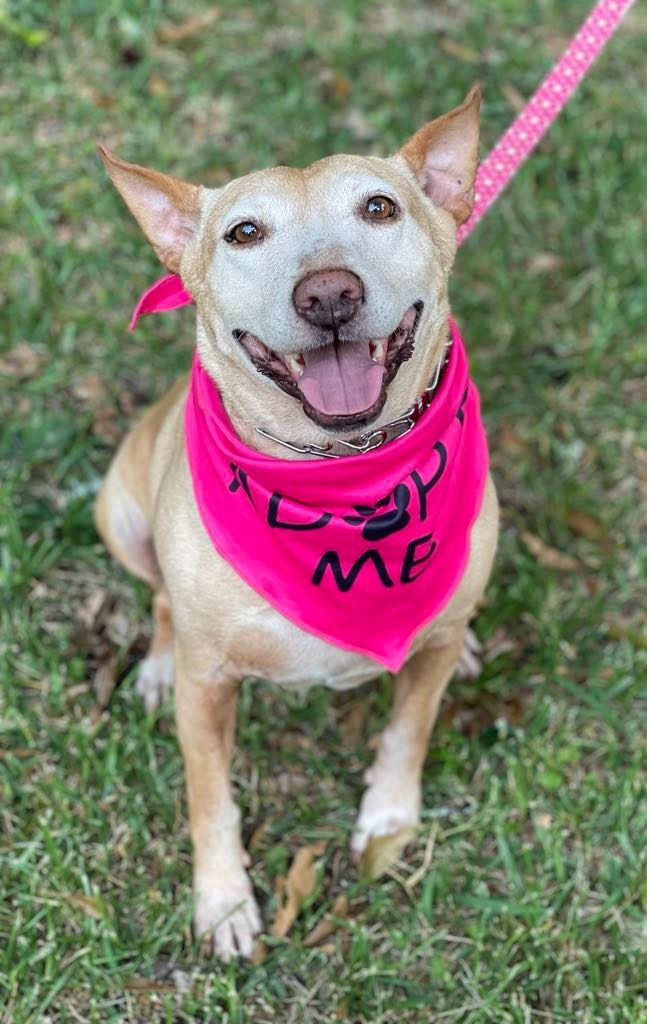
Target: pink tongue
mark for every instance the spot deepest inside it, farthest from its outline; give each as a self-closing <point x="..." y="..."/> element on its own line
<point x="342" y="379"/>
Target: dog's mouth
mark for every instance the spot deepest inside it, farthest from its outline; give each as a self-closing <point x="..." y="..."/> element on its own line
<point x="344" y="383"/>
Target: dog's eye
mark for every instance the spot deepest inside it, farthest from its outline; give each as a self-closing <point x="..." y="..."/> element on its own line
<point x="379" y="208"/>
<point x="244" y="232"/>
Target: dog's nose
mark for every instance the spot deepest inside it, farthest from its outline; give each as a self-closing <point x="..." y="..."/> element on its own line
<point x="328" y="297"/>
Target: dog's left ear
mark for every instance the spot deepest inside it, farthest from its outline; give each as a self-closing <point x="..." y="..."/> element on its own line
<point x="443" y="155"/>
<point x="166" y="208"/>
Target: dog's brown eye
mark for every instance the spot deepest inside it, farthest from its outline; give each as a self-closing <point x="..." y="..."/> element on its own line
<point x="379" y="208"/>
<point x="244" y="232"/>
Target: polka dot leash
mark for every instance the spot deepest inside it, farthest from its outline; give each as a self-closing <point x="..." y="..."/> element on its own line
<point x="516" y="144"/>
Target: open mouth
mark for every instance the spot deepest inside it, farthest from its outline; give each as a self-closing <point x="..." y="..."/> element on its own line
<point x="342" y="384"/>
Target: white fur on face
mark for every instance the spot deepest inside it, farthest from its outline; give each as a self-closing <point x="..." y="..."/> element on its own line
<point x="312" y="220"/>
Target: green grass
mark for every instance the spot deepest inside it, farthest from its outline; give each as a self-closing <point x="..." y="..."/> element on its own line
<point x="533" y="907"/>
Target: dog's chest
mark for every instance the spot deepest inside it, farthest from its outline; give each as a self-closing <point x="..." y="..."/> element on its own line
<point x="281" y="653"/>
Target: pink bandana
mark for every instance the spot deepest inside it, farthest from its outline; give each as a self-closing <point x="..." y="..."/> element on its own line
<point x="362" y="551"/>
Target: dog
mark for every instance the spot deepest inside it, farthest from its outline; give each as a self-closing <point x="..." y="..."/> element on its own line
<point x="322" y="318"/>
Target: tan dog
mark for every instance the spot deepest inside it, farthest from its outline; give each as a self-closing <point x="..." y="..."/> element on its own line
<point x="270" y="258"/>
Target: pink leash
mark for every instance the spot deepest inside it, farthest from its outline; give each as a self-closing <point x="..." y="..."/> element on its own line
<point x="517" y="143"/>
<point x="511" y="151"/>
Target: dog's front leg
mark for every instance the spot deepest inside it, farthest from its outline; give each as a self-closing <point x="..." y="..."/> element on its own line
<point x="226" y="913"/>
<point x="392" y="799"/>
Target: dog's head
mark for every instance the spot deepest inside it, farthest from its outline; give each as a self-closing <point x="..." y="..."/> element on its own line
<point x="321" y="293"/>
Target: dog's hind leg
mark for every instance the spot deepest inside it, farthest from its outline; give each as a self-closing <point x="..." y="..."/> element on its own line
<point x="122" y="520"/>
<point x="156" y="673"/>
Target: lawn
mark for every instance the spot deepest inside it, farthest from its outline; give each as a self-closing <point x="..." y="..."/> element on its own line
<point x="522" y="900"/>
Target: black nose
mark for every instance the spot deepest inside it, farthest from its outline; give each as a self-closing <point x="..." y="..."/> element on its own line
<point x="328" y="297"/>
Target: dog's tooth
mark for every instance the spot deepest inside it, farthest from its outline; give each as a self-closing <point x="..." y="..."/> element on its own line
<point x="294" y="363"/>
<point x="378" y="350"/>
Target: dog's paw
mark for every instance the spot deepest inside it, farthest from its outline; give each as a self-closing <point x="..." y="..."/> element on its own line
<point x="469" y="663"/>
<point x="227" y="919"/>
<point x="384" y="813"/>
<point x="155" y="679"/>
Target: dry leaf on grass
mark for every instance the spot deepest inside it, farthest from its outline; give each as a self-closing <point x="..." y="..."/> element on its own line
<point x="88" y="904"/>
<point x="352" y="723"/>
<point x="515" y="99"/>
<point x="189" y="27"/>
<point x="259" y="953"/>
<point x="298" y="885"/>
<point x="508" y="440"/>
<point x="544" y="262"/>
<point x="335" y="85"/>
<point x="105" y="424"/>
<point x="327" y="925"/>
<point x="585" y="525"/>
<point x="383" y="851"/>
<point x="420" y="872"/>
<point x="157" y="86"/>
<point x="23" y="360"/>
<point x="138" y="984"/>
<point x="259" y="834"/>
<point x="545" y="555"/>
<point x="89" y="389"/>
<point x="463" y="53"/>
<point x="105" y="680"/>
<point x="89" y="611"/>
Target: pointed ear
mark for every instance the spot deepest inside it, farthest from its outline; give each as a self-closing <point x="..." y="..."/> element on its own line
<point x="166" y="209"/>
<point x="443" y="155"/>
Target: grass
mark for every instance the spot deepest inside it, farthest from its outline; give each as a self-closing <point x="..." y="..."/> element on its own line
<point x="532" y="910"/>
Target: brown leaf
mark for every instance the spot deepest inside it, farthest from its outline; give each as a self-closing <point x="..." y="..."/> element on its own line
<point x="545" y="555"/>
<point x="90" y="389"/>
<point x="259" y="953"/>
<point x="498" y="643"/>
<point x="105" y="424"/>
<point x="105" y="680"/>
<point x="351" y="725"/>
<point x="138" y="984"/>
<point x="118" y="627"/>
<point x="585" y="525"/>
<point x="621" y="629"/>
<point x="88" y="904"/>
<point x="176" y="33"/>
<point x="513" y="96"/>
<point x="299" y="885"/>
<point x="362" y="129"/>
<point x="335" y="85"/>
<point x="23" y="360"/>
<point x="89" y="611"/>
<point x="508" y="440"/>
<point x="455" y="49"/>
<point x="258" y="835"/>
<point x="327" y="926"/>
<point x="383" y="851"/>
<point x="544" y="262"/>
<point x="157" y="86"/>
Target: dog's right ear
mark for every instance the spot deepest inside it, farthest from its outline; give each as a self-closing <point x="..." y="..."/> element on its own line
<point x="166" y="208"/>
<point x="443" y="155"/>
